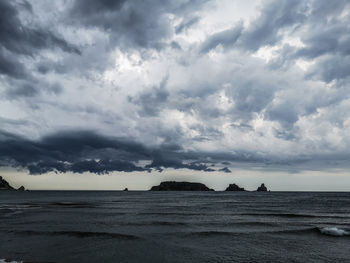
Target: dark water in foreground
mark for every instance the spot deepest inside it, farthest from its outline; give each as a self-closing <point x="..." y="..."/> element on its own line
<point x="174" y="227"/>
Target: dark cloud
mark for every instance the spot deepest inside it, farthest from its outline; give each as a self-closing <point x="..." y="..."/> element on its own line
<point x="85" y="151"/>
<point x="19" y="38"/>
<point x="152" y="101"/>
<point x="132" y="24"/>
<point x="24" y="90"/>
<point x="92" y="166"/>
<point x="287" y="114"/>
<point x="326" y="40"/>
<point x="319" y="23"/>
<point x="332" y="68"/>
<point x="243" y="105"/>
<point x="225" y="38"/>
<point x="90" y="7"/>
<point x="75" y="151"/>
<point x="264" y="30"/>
<point x="186" y="23"/>
<point x="253" y="97"/>
<point x="17" y="89"/>
<point x="225" y="170"/>
<point x="20" y="43"/>
<point x="168" y="158"/>
<point x="104" y="166"/>
<point x="275" y="16"/>
<point x="323" y="30"/>
<point x="9" y="65"/>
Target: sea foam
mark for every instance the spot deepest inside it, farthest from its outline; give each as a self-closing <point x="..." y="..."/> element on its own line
<point x="334" y="231"/>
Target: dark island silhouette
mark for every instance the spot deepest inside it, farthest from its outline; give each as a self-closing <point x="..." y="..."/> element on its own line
<point x="234" y="187"/>
<point x="190" y="186"/>
<point x="163" y="186"/>
<point x="4" y="185"/>
<point x="262" y="188"/>
<point x="180" y="186"/>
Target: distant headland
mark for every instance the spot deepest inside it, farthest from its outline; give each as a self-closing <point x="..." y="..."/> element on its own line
<point x="4" y="185"/>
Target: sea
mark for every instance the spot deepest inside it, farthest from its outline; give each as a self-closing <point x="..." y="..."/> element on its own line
<point x="142" y="226"/>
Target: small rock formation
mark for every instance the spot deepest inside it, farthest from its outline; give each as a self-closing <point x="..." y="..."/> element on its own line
<point x="4" y="185"/>
<point x="234" y="187"/>
<point x="262" y="188"/>
<point x="126" y="189"/>
<point x="180" y="186"/>
<point x="21" y="188"/>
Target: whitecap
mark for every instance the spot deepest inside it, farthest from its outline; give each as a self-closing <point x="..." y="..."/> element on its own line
<point x="7" y="261"/>
<point x="334" y="231"/>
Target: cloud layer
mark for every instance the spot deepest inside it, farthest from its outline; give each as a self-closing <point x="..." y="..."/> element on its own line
<point x="173" y="84"/>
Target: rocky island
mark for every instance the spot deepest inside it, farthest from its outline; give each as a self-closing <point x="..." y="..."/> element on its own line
<point x="234" y="187"/>
<point x="262" y="188"/>
<point x="180" y="186"/>
<point x="4" y="185"/>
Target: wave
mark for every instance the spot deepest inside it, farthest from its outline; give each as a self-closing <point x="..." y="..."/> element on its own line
<point x="248" y="223"/>
<point x="293" y="215"/>
<point x="18" y="207"/>
<point x="219" y="224"/>
<point x="212" y="233"/>
<point x="16" y="261"/>
<point x="177" y="214"/>
<point x="78" y="234"/>
<point x="73" y="204"/>
<point x="329" y="231"/>
<point x="334" y="231"/>
<point x="154" y="223"/>
<point x="9" y="261"/>
<point x="286" y="215"/>
<point x="11" y="210"/>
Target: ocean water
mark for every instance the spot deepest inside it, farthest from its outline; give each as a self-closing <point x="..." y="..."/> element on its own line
<point x="79" y="226"/>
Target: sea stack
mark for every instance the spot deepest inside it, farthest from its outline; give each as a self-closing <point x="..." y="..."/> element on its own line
<point x="126" y="189"/>
<point x="180" y="186"/>
<point x="21" y="188"/>
<point x="234" y="187"/>
<point x="262" y="188"/>
<point x="4" y="185"/>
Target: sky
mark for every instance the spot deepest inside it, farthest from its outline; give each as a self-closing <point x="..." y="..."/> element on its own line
<point x="112" y="94"/>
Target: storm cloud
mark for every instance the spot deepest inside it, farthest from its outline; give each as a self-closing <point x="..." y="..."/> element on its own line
<point x="128" y="86"/>
<point x="18" y="38"/>
<point x="133" y="24"/>
<point x="86" y="151"/>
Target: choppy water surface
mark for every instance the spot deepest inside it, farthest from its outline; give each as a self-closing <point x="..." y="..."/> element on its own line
<point x="78" y="226"/>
